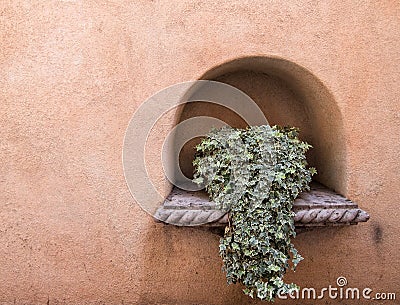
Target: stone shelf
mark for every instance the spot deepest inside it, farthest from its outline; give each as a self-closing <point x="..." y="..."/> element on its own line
<point x="318" y="207"/>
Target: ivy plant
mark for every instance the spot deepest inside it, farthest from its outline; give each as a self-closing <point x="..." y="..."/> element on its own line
<point x="255" y="174"/>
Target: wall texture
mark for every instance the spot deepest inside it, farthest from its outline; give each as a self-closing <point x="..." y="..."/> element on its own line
<point x="72" y="74"/>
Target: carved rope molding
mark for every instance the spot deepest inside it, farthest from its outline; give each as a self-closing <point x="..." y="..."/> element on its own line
<point x="318" y="207"/>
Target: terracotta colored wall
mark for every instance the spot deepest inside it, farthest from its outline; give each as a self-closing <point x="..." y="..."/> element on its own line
<point x="72" y="74"/>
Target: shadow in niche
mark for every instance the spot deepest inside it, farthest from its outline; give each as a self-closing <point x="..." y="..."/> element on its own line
<point x="289" y="95"/>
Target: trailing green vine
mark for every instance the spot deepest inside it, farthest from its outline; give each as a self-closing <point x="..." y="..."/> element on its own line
<point x="255" y="173"/>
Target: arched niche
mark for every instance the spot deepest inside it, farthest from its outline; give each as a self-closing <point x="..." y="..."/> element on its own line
<point x="288" y="94"/>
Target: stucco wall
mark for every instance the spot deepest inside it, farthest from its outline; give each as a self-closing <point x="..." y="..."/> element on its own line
<point x="72" y="74"/>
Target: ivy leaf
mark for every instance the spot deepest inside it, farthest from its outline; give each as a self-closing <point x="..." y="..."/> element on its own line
<point x="257" y="173"/>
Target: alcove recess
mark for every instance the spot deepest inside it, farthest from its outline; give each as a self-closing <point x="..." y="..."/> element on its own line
<point x="289" y="95"/>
